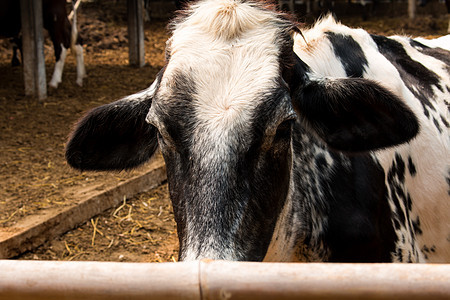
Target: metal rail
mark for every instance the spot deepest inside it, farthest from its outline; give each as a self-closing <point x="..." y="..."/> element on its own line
<point x="220" y="280"/>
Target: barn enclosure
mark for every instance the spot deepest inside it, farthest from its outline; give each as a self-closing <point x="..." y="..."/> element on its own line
<point x="49" y="211"/>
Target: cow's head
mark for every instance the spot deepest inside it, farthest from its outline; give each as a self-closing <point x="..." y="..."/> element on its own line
<point x="222" y="112"/>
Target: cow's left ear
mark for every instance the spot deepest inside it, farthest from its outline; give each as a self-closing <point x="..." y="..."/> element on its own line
<point x="354" y="114"/>
<point x="115" y="136"/>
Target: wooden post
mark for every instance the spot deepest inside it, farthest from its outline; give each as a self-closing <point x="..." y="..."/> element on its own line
<point x="136" y="33"/>
<point x="33" y="48"/>
<point x="412" y="9"/>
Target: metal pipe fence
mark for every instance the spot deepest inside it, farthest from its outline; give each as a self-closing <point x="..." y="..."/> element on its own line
<point x="220" y="280"/>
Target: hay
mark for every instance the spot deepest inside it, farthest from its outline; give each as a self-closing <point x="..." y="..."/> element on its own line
<point x="94" y="224"/>
<point x="12" y="215"/>
<point x="140" y="229"/>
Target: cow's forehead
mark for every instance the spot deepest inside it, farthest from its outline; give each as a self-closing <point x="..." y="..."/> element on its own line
<point x="230" y="61"/>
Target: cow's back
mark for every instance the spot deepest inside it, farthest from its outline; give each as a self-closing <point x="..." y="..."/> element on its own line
<point x="417" y="174"/>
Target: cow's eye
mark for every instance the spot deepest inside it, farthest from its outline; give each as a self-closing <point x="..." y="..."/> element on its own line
<point x="165" y="141"/>
<point x="281" y="135"/>
<point x="284" y="130"/>
<point x="162" y="143"/>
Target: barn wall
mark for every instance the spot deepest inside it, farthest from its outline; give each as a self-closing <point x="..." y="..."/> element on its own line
<point x="163" y="9"/>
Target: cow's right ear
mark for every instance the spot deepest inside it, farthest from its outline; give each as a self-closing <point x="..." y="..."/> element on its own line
<point x="114" y="136"/>
<point x="355" y="114"/>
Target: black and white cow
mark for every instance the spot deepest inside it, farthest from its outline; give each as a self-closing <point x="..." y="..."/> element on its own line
<point x="62" y="34"/>
<point x="326" y="145"/>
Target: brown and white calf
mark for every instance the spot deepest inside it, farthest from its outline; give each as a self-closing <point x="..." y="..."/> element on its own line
<point x="326" y="145"/>
<point x="62" y="34"/>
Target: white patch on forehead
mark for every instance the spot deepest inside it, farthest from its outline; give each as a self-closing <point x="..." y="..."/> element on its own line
<point x="232" y="86"/>
<point x="229" y="51"/>
<point x="226" y="19"/>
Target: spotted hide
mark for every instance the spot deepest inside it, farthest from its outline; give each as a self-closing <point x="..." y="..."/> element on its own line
<point x="325" y="144"/>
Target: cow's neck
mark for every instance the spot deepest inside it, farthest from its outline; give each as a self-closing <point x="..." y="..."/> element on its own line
<point x="298" y="235"/>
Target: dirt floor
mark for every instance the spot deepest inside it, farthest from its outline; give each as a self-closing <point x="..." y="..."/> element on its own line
<point x="141" y="229"/>
<point x="34" y="175"/>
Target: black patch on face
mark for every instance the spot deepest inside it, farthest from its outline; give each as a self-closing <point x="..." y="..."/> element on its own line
<point x="178" y="113"/>
<point x="349" y="52"/>
<point x="417" y="77"/>
<point x="411" y="167"/>
<point x="252" y="182"/>
<point x="267" y="172"/>
<point x="360" y="227"/>
<point x="178" y="116"/>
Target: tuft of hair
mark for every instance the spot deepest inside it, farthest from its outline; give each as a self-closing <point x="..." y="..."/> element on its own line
<point x="228" y="19"/>
<point x="325" y="23"/>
